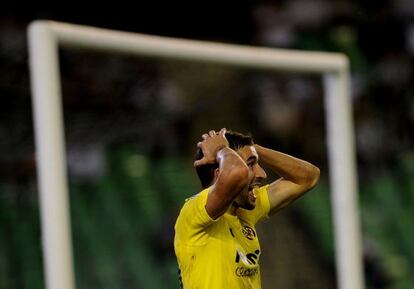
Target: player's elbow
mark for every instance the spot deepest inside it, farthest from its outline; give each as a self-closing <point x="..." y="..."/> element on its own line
<point x="309" y="182"/>
<point x="313" y="177"/>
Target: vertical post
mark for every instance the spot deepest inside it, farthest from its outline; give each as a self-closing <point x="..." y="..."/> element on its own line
<point x="342" y="164"/>
<point x="50" y="154"/>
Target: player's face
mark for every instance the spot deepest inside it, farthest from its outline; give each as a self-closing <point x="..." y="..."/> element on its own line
<point x="247" y="198"/>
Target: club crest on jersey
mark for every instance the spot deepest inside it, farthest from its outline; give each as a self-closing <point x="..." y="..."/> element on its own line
<point x="248" y="232"/>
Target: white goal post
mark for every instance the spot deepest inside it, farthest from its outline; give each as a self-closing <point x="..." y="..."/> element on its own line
<point x="45" y="37"/>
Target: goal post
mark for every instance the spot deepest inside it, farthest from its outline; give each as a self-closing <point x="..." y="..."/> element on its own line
<point x="45" y="37"/>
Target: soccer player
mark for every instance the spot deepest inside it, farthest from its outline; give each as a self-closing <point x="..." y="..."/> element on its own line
<point x="215" y="237"/>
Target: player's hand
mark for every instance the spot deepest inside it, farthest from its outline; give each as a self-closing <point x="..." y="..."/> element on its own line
<point x="212" y="142"/>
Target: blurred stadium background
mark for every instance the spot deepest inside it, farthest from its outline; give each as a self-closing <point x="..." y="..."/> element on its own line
<point x="131" y="125"/>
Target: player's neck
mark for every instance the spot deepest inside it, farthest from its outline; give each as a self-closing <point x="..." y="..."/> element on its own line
<point x="232" y="210"/>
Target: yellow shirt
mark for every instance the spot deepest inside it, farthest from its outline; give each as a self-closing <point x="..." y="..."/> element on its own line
<point x="222" y="253"/>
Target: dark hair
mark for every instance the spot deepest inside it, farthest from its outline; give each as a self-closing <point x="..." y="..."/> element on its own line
<point x="206" y="172"/>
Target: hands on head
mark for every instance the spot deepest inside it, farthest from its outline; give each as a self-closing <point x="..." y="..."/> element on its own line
<point x="212" y="143"/>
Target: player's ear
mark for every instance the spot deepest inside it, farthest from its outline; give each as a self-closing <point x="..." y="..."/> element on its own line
<point x="216" y="173"/>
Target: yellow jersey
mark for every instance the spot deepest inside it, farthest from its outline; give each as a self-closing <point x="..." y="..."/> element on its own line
<point x="222" y="253"/>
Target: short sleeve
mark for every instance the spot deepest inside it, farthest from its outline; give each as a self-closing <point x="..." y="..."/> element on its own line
<point x="194" y="219"/>
<point x="194" y="210"/>
<point x="263" y="204"/>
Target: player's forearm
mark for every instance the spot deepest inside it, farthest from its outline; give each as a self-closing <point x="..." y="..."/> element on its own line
<point x="232" y="178"/>
<point x="289" y="167"/>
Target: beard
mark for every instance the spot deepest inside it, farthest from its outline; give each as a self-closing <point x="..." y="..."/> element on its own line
<point x="246" y="200"/>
